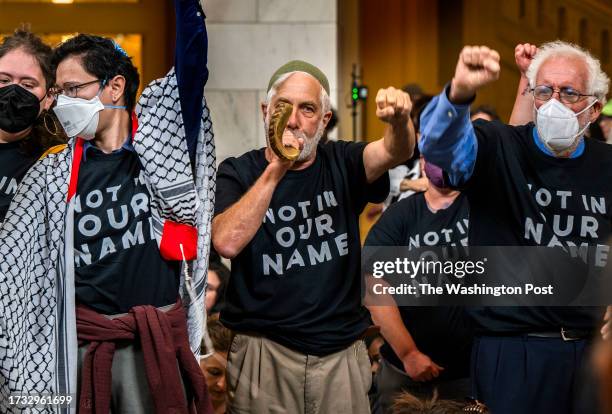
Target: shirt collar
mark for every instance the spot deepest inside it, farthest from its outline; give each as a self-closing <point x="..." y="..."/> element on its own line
<point x="127" y="146"/>
<point x="577" y="152"/>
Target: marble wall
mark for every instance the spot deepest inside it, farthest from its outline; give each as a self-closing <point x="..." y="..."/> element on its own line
<point x="248" y="41"/>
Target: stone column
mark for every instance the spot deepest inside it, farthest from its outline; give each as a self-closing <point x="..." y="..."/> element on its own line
<point x="248" y="41"/>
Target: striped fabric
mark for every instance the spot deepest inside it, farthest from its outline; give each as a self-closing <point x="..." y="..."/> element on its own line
<point x="38" y="346"/>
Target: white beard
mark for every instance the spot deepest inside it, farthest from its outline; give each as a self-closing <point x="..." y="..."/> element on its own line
<point x="310" y="143"/>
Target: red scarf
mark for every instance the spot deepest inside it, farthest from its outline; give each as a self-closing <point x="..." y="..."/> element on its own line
<point x="163" y="336"/>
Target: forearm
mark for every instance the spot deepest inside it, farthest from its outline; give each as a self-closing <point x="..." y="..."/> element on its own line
<point x="522" y="112"/>
<point x="396" y="146"/>
<point x="392" y="328"/>
<point x="399" y="142"/>
<point x="448" y="139"/>
<point x="233" y="229"/>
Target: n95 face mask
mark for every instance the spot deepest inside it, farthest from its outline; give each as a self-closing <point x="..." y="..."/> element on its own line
<point x="79" y="117"/>
<point x="558" y="126"/>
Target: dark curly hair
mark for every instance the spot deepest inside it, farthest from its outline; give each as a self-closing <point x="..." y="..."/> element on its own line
<point x="104" y="59"/>
<point x="41" y="137"/>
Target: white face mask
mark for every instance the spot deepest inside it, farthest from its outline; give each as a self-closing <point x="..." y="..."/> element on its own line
<point x="558" y="126"/>
<point x="79" y="117"/>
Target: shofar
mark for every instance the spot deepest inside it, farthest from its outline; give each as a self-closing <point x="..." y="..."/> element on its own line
<point x="278" y="122"/>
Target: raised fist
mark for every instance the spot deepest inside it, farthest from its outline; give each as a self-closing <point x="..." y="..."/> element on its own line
<point x="393" y="105"/>
<point x="523" y="55"/>
<point x="477" y="67"/>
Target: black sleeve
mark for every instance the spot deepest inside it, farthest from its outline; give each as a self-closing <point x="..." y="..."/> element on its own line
<point x="390" y="229"/>
<point x="487" y="135"/>
<point x="362" y="191"/>
<point x="229" y="186"/>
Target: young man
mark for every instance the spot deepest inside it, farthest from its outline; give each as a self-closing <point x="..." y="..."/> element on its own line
<point x="110" y="220"/>
<point x="291" y="230"/>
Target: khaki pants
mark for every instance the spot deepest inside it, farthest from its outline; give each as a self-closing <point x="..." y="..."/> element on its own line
<point x="266" y="377"/>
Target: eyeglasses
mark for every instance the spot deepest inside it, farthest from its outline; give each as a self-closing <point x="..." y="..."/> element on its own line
<point x="73" y="90"/>
<point x="566" y="94"/>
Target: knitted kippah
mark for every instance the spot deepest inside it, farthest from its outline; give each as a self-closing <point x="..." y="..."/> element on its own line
<point x="300" y="66"/>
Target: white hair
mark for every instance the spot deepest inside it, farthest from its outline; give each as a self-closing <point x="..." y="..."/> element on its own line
<point x="598" y="81"/>
<point x="324" y="100"/>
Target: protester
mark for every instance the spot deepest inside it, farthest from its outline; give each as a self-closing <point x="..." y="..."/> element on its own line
<point x="504" y="170"/>
<point x="27" y="127"/>
<point x="108" y="222"/>
<point x="418" y="356"/>
<point x="291" y="230"/>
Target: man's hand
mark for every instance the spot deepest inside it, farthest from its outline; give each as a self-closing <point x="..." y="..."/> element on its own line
<point x="420" y="367"/>
<point x="280" y="165"/>
<point x="393" y="106"/>
<point x="606" y="330"/>
<point x="523" y="55"/>
<point x="477" y="66"/>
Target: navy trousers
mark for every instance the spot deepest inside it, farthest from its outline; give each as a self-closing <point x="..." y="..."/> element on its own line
<point x="523" y="374"/>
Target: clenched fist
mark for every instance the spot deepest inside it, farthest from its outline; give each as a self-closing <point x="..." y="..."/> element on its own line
<point x="393" y="106"/>
<point x="523" y="55"/>
<point x="420" y="367"/>
<point x="477" y="67"/>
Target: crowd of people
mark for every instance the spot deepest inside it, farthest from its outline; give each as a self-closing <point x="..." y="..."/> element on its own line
<point x="116" y="231"/>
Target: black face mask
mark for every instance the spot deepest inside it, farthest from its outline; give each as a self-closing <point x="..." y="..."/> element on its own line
<point x="18" y="108"/>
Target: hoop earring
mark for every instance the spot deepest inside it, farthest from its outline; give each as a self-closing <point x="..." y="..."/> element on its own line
<point x="48" y="118"/>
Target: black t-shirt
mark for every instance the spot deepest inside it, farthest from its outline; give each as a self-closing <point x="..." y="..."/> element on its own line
<point x="443" y="333"/>
<point x="520" y="196"/>
<point x="298" y="280"/>
<point x="13" y="166"/>
<point x="117" y="261"/>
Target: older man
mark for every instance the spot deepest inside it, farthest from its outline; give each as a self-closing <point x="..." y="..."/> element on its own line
<point x="291" y="230"/>
<point x="526" y="359"/>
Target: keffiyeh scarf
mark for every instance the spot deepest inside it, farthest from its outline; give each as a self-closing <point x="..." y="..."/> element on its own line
<point x="38" y="345"/>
